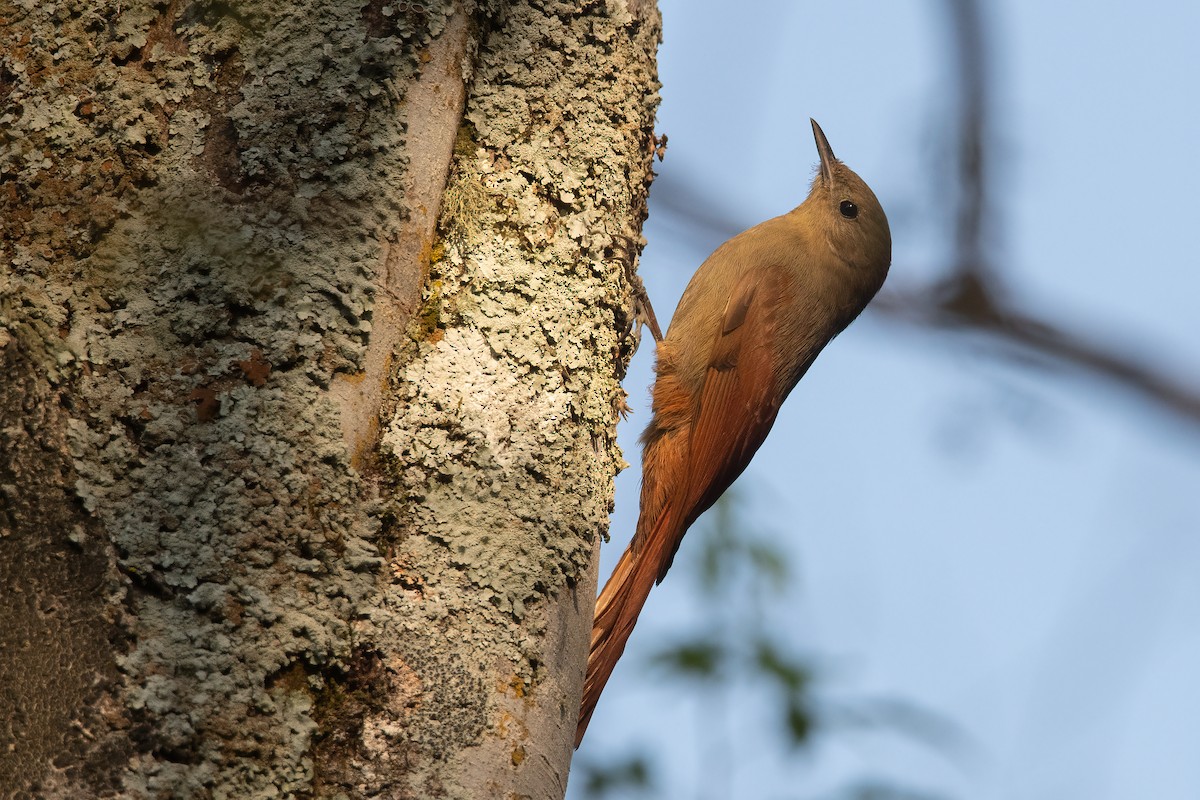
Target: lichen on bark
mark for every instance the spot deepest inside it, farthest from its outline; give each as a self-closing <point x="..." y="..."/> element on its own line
<point x="503" y="441"/>
<point x="197" y="198"/>
<point x="202" y="207"/>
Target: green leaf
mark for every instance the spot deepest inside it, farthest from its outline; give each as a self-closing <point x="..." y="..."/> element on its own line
<point x="791" y="674"/>
<point x="700" y="658"/>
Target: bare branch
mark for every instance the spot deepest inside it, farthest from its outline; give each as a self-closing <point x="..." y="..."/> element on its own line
<point x="969" y="307"/>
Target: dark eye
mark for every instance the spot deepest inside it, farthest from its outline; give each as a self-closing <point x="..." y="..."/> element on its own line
<point x="848" y="209"/>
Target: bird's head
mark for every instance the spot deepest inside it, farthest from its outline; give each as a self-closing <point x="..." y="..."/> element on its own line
<point x="847" y="214"/>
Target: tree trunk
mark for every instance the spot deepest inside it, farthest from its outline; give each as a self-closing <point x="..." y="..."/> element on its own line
<point x="300" y="492"/>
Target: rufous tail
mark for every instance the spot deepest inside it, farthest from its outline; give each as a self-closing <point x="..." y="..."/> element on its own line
<point x="617" y="610"/>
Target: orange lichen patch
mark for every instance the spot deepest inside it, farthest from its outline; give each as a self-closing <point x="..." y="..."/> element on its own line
<point x="409" y="580"/>
<point x="256" y="368"/>
<point x="207" y="403"/>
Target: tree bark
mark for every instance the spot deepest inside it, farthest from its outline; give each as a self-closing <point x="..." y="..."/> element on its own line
<point x="300" y="491"/>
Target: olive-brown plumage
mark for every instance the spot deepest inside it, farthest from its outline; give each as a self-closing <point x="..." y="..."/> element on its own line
<point x="751" y="322"/>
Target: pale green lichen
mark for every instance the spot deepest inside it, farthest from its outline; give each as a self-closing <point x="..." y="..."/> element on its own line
<point x="503" y="440"/>
<point x="228" y="214"/>
<point x="245" y="540"/>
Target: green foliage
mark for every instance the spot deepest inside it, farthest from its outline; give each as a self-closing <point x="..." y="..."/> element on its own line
<point x="799" y="722"/>
<point x="739" y="573"/>
<point x="791" y="675"/>
<point x="728" y="552"/>
<point x="734" y="656"/>
<point x="700" y="659"/>
<point x="629" y="775"/>
<point x="880" y="790"/>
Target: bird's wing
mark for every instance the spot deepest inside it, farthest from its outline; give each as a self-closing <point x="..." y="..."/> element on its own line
<point x="741" y="393"/>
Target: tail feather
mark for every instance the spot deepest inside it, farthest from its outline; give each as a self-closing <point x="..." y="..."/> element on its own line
<point x="617" y="610"/>
<point x="661" y="524"/>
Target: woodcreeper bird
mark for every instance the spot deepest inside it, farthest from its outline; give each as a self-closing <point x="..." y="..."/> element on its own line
<point x="750" y="323"/>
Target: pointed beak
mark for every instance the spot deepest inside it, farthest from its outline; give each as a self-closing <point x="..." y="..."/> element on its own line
<point x="828" y="159"/>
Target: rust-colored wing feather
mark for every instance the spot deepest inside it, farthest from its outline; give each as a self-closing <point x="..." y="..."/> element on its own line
<point x="695" y="448"/>
<point x="741" y="395"/>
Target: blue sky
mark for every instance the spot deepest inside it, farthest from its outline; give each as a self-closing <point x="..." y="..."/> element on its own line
<point x="1015" y="550"/>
